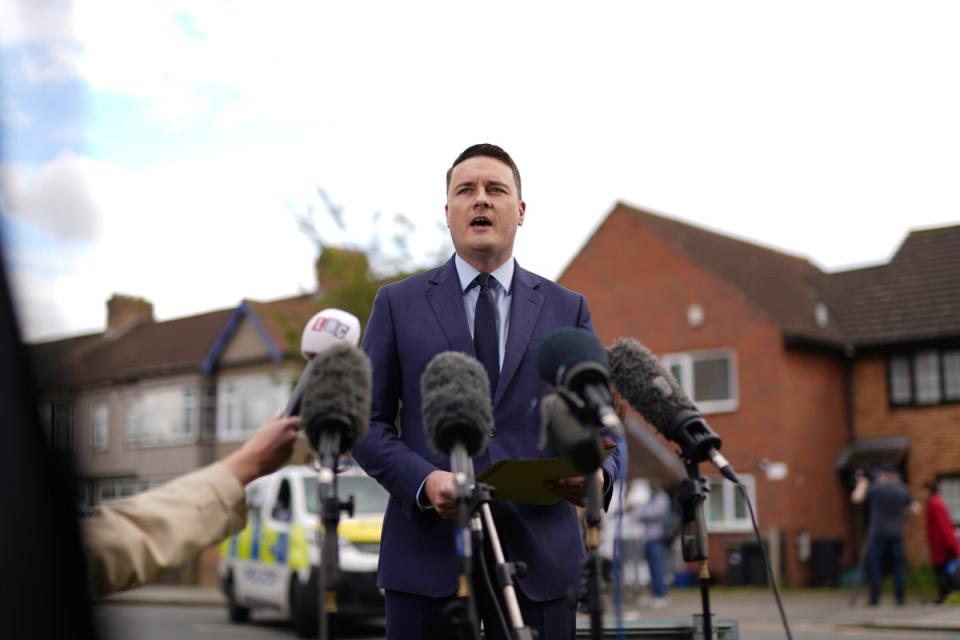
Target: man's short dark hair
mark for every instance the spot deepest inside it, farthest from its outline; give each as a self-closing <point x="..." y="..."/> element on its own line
<point x="488" y="151"/>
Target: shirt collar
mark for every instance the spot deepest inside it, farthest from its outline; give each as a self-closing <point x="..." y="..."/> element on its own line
<point x="466" y="273"/>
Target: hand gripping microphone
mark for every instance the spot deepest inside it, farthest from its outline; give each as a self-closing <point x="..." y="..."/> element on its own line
<point x="326" y="329"/>
<point x="650" y="389"/>
<point x="336" y="400"/>
<point x="456" y="410"/>
<point x="573" y="360"/>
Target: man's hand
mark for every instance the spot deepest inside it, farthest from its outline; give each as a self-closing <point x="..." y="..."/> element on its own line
<point x="441" y="491"/>
<point x="573" y="488"/>
<point x="267" y="450"/>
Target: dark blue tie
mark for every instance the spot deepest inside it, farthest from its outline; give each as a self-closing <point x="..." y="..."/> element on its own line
<point x="485" y="341"/>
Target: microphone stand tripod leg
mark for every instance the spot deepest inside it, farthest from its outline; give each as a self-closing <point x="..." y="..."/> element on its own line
<point x="505" y="576"/>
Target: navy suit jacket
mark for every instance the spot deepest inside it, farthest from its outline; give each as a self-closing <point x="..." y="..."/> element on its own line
<point x="411" y="322"/>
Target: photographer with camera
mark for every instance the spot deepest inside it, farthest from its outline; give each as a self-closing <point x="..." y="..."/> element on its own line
<point x="887" y="499"/>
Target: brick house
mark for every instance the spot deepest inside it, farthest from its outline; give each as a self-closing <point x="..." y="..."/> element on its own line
<point x="790" y="366"/>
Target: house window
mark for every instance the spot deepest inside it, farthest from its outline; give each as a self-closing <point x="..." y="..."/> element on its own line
<point x="208" y="428"/>
<point x="246" y="402"/>
<point x="951" y="375"/>
<point x="709" y="378"/>
<point x="726" y="510"/>
<point x="950" y="492"/>
<point x="101" y="427"/>
<point x="115" y="489"/>
<point x="161" y="416"/>
<point x="924" y="377"/>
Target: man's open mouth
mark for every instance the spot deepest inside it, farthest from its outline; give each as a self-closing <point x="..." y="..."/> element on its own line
<point x="481" y="221"/>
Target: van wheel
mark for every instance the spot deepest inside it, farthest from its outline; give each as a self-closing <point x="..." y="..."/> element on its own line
<point x="304" y="605"/>
<point x="235" y="611"/>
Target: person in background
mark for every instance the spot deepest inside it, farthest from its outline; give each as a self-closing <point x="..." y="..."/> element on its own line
<point x="941" y="537"/>
<point x="655" y="516"/>
<point x="127" y="543"/>
<point x="887" y="499"/>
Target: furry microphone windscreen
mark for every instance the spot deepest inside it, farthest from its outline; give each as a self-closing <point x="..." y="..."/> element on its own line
<point x="645" y="384"/>
<point x="564" y="349"/>
<point x="337" y="396"/>
<point x="455" y="403"/>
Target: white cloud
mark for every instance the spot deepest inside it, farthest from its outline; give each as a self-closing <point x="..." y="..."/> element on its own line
<point x="771" y="123"/>
<point x="48" y="26"/>
<point x="56" y="197"/>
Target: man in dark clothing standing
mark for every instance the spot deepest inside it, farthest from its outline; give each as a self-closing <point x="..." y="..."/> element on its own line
<point x="887" y="500"/>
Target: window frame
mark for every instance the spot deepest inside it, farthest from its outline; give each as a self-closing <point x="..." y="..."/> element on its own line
<point x="235" y="394"/>
<point x="184" y="412"/>
<point x="96" y="444"/>
<point x="909" y="357"/>
<point x="687" y="360"/>
<point x="730" y="523"/>
<point x="953" y="506"/>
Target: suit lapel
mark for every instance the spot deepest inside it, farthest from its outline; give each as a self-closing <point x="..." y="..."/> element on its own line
<point x="524" y="311"/>
<point x="446" y="299"/>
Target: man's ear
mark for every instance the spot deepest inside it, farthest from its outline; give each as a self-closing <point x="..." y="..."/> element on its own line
<point x="523" y="209"/>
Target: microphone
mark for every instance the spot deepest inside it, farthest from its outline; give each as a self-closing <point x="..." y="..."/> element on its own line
<point x="581" y="446"/>
<point x="326" y="329"/>
<point x="336" y="400"/>
<point x="574" y="360"/>
<point x="456" y="409"/>
<point x="643" y="382"/>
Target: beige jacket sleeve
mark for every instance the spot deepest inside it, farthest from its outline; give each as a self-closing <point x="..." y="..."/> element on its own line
<point x="128" y="542"/>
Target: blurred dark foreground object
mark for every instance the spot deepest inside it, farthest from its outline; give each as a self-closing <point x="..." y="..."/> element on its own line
<point x="43" y="587"/>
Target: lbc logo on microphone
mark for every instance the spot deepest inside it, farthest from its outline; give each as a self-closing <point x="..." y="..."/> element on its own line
<point x="332" y="326"/>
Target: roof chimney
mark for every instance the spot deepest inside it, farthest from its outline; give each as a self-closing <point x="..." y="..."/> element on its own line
<point x="123" y="312"/>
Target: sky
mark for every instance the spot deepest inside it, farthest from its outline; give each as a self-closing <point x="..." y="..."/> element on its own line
<point x="164" y="149"/>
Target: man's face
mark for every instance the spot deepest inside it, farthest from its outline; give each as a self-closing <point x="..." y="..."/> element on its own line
<point x="483" y="210"/>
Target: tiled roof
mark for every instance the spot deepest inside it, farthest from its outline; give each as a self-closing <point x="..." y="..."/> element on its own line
<point x="163" y="348"/>
<point x="915" y="297"/>
<point x="284" y="320"/>
<point x="151" y="348"/>
<point x="784" y="286"/>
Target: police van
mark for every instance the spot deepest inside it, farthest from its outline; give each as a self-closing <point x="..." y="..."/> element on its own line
<point x="273" y="562"/>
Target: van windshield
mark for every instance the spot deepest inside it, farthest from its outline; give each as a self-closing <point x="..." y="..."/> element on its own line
<point x="368" y="496"/>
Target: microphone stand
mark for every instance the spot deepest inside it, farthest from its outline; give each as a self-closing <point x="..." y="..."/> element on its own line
<point x="592" y="572"/>
<point x="693" y="535"/>
<point x="328" y="575"/>
<point x="462" y="468"/>
<point x="480" y="502"/>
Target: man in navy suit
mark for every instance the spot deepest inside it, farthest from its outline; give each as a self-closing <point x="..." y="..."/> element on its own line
<point x="440" y="310"/>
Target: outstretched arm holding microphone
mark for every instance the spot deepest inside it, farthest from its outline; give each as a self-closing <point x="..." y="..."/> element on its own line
<point x="129" y="542"/>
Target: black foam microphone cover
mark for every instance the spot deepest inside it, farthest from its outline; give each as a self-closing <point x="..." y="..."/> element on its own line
<point x="650" y="389"/>
<point x="337" y="396"/>
<point x="455" y="403"/>
<point x="572" y="357"/>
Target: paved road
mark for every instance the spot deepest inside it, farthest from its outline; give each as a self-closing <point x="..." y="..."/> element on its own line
<point x="150" y="622"/>
<point x="820" y="619"/>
